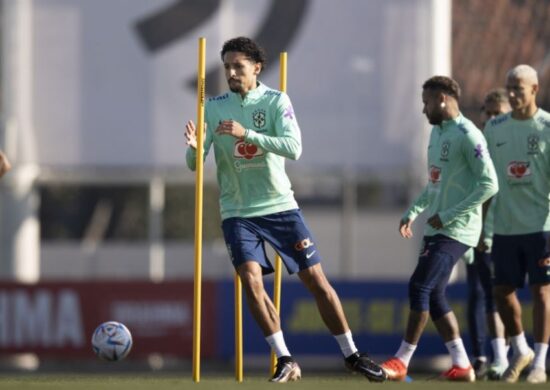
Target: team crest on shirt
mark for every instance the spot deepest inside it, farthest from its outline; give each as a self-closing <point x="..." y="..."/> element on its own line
<point x="533" y="144"/>
<point x="518" y="169"/>
<point x="258" y="118"/>
<point x="445" y="151"/>
<point x="435" y="174"/>
<point x="246" y="150"/>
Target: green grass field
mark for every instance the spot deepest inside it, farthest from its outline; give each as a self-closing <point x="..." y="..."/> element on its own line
<point x="158" y="381"/>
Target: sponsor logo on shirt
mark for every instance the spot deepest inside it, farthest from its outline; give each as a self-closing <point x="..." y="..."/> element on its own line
<point x="435" y="174"/>
<point x="272" y="92"/>
<point x="303" y="244"/>
<point x="245" y="150"/>
<point x="533" y="144"/>
<point x="258" y="117"/>
<point x="217" y="98"/>
<point x="518" y="169"/>
<point x="499" y="119"/>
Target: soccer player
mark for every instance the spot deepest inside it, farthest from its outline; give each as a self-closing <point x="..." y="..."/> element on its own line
<point x="461" y="177"/>
<point x="482" y="312"/>
<point x="253" y="129"/>
<point x="5" y="164"/>
<point x="519" y="142"/>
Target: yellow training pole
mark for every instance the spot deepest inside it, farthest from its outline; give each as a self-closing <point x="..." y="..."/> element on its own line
<point x="201" y="84"/>
<point x="278" y="262"/>
<point x="238" y="329"/>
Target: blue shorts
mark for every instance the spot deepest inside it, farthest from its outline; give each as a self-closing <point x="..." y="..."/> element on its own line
<point x="518" y="255"/>
<point x="429" y="280"/>
<point x="286" y="232"/>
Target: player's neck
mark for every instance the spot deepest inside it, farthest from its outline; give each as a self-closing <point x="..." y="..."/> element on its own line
<point x="249" y="88"/>
<point x="451" y="113"/>
<point x="525" y="113"/>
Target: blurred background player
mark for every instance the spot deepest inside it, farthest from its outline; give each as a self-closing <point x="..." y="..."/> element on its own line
<point x="482" y="312"/>
<point x="253" y="129"/>
<point x="518" y="143"/>
<point x="461" y="177"/>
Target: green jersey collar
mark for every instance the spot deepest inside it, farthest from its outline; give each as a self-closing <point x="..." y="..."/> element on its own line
<point x="449" y="123"/>
<point x="251" y="95"/>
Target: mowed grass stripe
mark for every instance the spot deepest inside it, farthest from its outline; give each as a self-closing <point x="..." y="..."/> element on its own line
<point x="161" y="382"/>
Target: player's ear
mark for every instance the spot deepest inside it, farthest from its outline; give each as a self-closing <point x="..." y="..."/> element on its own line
<point x="535" y="89"/>
<point x="442" y="99"/>
<point x="257" y="68"/>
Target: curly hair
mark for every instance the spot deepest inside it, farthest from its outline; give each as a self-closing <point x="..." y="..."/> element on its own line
<point x="247" y="46"/>
<point x="443" y="84"/>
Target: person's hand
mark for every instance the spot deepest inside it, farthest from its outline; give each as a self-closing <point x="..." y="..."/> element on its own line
<point x="5" y="164"/>
<point x="481" y="245"/>
<point x="405" y="228"/>
<point x="232" y="128"/>
<point x="191" y="134"/>
<point x="435" y="222"/>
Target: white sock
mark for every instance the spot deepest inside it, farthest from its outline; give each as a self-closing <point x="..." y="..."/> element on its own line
<point x="458" y="353"/>
<point x="277" y="343"/>
<point x="519" y="344"/>
<point x="500" y="351"/>
<point x="540" y="355"/>
<point x="405" y="352"/>
<point x="345" y="341"/>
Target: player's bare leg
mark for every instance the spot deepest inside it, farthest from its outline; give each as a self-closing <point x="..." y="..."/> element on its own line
<point x="509" y="309"/>
<point x="415" y="326"/>
<point x="259" y="303"/>
<point x="332" y="313"/>
<point x="541" y="331"/>
<point x="327" y="300"/>
<point x="447" y="326"/>
<point x="262" y="309"/>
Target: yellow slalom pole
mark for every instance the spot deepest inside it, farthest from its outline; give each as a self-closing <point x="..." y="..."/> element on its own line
<point x="238" y="329"/>
<point x="278" y="263"/>
<point x="201" y="85"/>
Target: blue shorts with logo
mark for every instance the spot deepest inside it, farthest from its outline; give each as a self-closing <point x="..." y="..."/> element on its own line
<point x="286" y="232"/>
<point x="518" y="255"/>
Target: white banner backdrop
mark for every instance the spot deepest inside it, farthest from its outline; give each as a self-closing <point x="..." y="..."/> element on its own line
<point x="112" y="80"/>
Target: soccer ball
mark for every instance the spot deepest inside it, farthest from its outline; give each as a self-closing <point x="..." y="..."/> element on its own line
<point x="112" y="341"/>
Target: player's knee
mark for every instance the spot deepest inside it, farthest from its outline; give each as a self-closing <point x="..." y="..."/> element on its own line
<point x="438" y="305"/>
<point x="541" y="293"/>
<point x="504" y="293"/>
<point x="252" y="284"/>
<point x="419" y="296"/>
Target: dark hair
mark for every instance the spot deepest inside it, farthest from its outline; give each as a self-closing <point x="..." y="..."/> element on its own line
<point x="247" y="46"/>
<point x="443" y="84"/>
<point x="498" y="95"/>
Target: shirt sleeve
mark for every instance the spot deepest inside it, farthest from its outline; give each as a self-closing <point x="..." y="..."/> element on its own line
<point x="418" y="206"/>
<point x="474" y="149"/>
<point x="191" y="154"/>
<point x="287" y="141"/>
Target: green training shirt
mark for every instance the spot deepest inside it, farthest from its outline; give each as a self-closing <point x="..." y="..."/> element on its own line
<point x="521" y="152"/>
<point x="251" y="172"/>
<point x="461" y="176"/>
